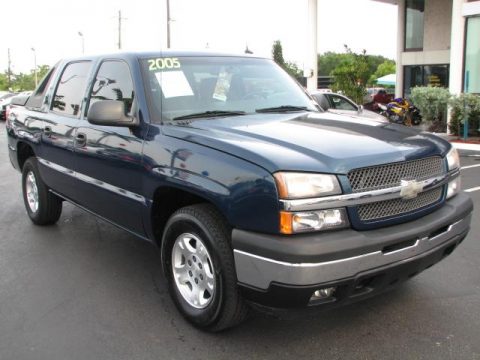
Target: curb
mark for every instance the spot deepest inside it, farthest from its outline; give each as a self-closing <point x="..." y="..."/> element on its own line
<point x="458" y="144"/>
<point x="463" y="146"/>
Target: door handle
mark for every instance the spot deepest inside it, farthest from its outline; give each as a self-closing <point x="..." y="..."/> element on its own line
<point x="80" y="140"/>
<point x="47" y="131"/>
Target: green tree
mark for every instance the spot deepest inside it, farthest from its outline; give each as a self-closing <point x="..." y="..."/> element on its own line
<point x="385" y="68"/>
<point x="293" y="69"/>
<point x="288" y="66"/>
<point x="3" y="82"/>
<point x="42" y="70"/>
<point x="351" y="75"/>
<point x="277" y="53"/>
<point x="374" y="61"/>
<point x="328" y="61"/>
<point x="25" y="82"/>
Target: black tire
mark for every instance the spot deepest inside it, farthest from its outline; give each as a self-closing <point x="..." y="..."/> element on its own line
<point x="416" y="120"/>
<point x="226" y="307"/>
<point x="49" y="206"/>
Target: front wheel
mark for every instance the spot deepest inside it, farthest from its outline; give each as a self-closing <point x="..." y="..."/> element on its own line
<point x="43" y="207"/>
<point x="198" y="262"/>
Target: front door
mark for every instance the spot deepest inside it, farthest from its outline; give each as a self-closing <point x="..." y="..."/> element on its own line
<point x="108" y="161"/>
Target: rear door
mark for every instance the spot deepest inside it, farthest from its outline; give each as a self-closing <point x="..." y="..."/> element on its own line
<point x="56" y="154"/>
<point x="109" y="159"/>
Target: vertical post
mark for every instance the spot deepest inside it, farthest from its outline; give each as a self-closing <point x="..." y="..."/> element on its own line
<point x="400" y="46"/>
<point x="9" y="74"/>
<point x="119" y="29"/>
<point x="467" y="113"/>
<point x="312" y="67"/>
<point x="465" y="126"/>
<point x="168" y="24"/>
<point x="35" y="66"/>
<point x="83" y="41"/>
<point x="457" y="40"/>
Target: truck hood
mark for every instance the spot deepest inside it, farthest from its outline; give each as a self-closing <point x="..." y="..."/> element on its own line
<point x="317" y="142"/>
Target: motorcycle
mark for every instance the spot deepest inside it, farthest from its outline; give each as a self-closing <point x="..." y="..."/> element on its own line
<point x="401" y="111"/>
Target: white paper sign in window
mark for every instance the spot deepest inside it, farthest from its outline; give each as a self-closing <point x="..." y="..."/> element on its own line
<point x="174" y="83"/>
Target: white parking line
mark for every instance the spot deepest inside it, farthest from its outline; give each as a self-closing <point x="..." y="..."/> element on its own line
<point x="470" y="166"/>
<point x="474" y="155"/>
<point x="473" y="189"/>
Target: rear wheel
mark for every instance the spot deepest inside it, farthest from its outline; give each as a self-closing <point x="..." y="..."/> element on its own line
<point x="416" y="119"/>
<point x="43" y="207"/>
<point x="198" y="262"/>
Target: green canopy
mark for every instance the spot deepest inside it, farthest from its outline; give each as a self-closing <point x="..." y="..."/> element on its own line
<point x="390" y="79"/>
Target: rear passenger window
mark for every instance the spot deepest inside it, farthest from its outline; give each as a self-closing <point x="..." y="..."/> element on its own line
<point x="71" y="89"/>
<point x="35" y="100"/>
<point x="113" y="82"/>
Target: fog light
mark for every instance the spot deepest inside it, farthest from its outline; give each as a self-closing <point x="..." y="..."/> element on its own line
<point x="454" y="187"/>
<point x="322" y="294"/>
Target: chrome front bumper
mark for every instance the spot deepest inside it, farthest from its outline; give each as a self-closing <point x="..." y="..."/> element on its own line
<point x="260" y="271"/>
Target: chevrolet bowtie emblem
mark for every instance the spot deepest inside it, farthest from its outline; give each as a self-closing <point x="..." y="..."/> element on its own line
<point x="410" y="189"/>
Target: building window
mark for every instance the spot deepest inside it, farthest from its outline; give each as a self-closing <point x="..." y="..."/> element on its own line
<point x="424" y="75"/>
<point x="472" y="56"/>
<point x="414" y="11"/>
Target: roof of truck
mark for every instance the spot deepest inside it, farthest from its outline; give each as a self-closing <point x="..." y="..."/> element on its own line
<point x="133" y="55"/>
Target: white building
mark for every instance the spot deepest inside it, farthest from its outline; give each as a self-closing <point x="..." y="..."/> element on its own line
<point x="438" y="44"/>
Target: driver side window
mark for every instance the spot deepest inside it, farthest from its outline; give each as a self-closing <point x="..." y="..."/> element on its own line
<point x="113" y="82"/>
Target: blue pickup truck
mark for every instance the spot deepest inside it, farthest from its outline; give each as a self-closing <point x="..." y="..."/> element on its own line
<point x="253" y="194"/>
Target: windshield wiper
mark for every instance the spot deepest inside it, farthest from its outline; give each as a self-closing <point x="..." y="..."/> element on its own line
<point x="283" y="108"/>
<point x="211" y="113"/>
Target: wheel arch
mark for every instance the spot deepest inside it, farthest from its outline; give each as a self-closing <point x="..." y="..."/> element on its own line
<point x="168" y="199"/>
<point x="24" y="151"/>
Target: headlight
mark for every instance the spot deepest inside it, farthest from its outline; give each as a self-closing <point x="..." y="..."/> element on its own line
<point x="292" y="185"/>
<point x="297" y="222"/>
<point x="454" y="187"/>
<point x="453" y="159"/>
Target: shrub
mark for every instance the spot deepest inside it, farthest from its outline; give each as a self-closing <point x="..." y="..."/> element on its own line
<point x="432" y="103"/>
<point x="465" y="106"/>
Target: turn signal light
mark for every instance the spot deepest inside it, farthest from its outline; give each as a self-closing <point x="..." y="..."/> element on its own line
<point x="286" y="222"/>
<point x="307" y="221"/>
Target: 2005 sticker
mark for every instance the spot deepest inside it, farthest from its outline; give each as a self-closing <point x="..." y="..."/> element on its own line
<point x="163" y="63"/>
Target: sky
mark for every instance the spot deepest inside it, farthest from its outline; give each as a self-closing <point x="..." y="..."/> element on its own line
<point x="52" y="27"/>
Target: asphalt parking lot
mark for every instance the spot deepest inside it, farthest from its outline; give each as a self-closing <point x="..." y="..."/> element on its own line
<point x="83" y="289"/>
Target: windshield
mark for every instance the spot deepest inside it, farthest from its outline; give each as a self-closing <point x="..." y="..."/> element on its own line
<point x="187" y="87"/>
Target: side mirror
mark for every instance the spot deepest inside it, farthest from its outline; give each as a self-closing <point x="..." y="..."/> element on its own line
<point x="20" y="100"/>
<point x="109" y="113"/>
<point x="360" y="109"/>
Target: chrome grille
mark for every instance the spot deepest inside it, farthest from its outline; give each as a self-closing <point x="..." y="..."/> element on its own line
<point x="390" y="175"/>
<point x="388" y="208"/>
